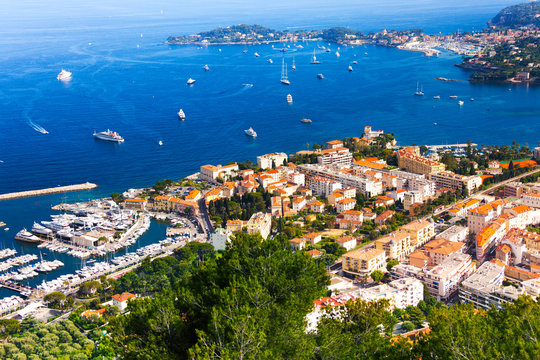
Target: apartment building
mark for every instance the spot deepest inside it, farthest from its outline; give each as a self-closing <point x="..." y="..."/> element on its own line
<point x="259" y="223"/>
<point x="364" y="262"/>
<point x="339" y="155"/>
<point x="489" y="237"/>
<point x="447" y="179"/>
<point x="348" y="242"/>
<point x="444" y="279"/>
<point x="396" y="245"/>
<point x="350" y="219"/>
<point x="410" y="198"/>
<point x="421" y="232"/>
<point x="439" y="250"/>
<point x="479" y="218"/>
<point x="400" y="293"/>
<point x="322" y="186"/>
<point x="454" y="233"/>
<point x="531" y="200"/>
<point x="345" y="204"/>
<point x="273" y="160"/>
<point x="484" y="287"/>
<point x="210" y="173"/>
<point x="220" y="238"/>
<point x="410" y="160"/>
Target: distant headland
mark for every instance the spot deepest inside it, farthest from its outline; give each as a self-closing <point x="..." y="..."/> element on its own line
<point x="508" y="50"/>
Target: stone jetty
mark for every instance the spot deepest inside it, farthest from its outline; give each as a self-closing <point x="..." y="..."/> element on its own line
<point x="58" y="189"/>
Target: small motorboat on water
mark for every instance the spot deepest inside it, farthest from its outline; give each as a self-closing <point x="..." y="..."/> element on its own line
<point x="320" y="76"/>
<point x="306" y="121"/>
<point x="190" y="81"/>
<point x="289" y="98"/>
<point x="250" y="132"/>
<point x="181" y="115"/>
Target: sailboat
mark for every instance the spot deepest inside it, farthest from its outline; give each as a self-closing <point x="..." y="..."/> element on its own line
<point x="419" y="91"/>
<point x="284" y="80"/>
<point x="314" y="59"/>
<point x="293" y="65"/>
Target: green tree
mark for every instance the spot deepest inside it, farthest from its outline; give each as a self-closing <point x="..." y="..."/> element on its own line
<point x="377" y="275"/>
<point x="390" y="264"/>
<point x="55" y="299"/>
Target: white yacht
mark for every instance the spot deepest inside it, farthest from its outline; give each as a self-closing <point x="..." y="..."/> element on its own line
<point x="320" y="76"/>
<point x="40" y="229"/>
<point x="250" y="132"/>
<point x="64" y="75"/>
<point x="109" y="136"/>
<point x="314" y="59"/>
<point x="293" y="65"/>
<point x="190" y="81"/>
<point x="289" y="98"/>
<point x="206" y="68"/>
<point x="27" y="236"/>
<point x="160" y="143"/>
<point x="284" y="79"/>
<point x="256" y="54"/>
<point x="181" y="115"/>
<point x="453" y="96"/>
<point x="355" y="62"/>
<point x="437" y="97"/>
<point x="419" y="90"/>
<point x="337" y="54"/>
<point x="460" y="102"/>
<point x="350" y="68"/>
<point x="306" y="121"/>
<point x="270" y="61"/>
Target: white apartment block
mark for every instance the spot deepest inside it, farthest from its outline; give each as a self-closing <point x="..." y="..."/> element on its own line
<point x="369" y="186"/>
<point x="401" y="293"/>
<point x="296" y="178"/>
<point x="322" y="186"/>
<point x="345" y="204"/>
<point x="410" y="198"/>
<point x="444" y="279"/>
<point x="272" y="160"/>
<point x="531" y="200"/>
<point x="454" y="233"/>
<point x="340" y="156"/>
<point x="484" y="287"/>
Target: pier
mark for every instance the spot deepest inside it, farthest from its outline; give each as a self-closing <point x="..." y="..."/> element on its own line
<point x="22" y="289"/>
<point x="58" y="189"/>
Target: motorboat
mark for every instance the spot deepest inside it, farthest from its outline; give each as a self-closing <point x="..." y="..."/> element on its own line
<point x="289" y="98"/>
<point x="64" y="75"/>
<point x="306" y="121"/>
<point x="250" y="132"/>
<point x="181" y="115"/>
<point x="190" y="81"/>
<point x="320" y="76"/>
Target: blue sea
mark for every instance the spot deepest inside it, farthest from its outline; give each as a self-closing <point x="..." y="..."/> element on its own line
<point x="126" y="79"/>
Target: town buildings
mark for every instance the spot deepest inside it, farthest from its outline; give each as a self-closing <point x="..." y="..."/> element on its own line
<point x="447" y="179"/>
<point x="444" y="279"/>
<point x="121" y="300"/>
<point x="259" y="223"/>
<point x="220" y="238"/>
<point x="396" y="245"/>
<point x="400" y="293"/>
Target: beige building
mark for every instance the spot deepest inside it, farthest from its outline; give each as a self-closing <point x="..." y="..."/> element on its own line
<point x="421" y="232"/>
<point x="260" y="223"/>
<point x="364" y="262"/>
<point x="439" y="250"/>
<point x="135" y="204"/>
<point x="211" y="173"/>
<point x="396" y="245"/>
<point x="410" y="160"/>
<point x="447" y="179"/>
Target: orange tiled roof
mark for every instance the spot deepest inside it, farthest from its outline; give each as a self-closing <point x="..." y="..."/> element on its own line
<point x="123" y="297"/>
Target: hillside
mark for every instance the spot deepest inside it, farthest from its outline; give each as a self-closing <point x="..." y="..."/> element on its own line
<point x="518" y="15"/>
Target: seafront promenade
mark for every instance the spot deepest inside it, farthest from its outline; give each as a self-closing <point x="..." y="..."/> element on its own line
<point x="59" y="189"/>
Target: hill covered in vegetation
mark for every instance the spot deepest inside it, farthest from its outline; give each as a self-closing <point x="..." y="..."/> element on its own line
<point x="518" y="15"/>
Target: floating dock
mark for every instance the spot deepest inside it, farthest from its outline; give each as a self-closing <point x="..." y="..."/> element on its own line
<point x="59" y="189"/>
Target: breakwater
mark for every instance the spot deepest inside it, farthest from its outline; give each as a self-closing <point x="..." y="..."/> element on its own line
<point x="58" y="189"/>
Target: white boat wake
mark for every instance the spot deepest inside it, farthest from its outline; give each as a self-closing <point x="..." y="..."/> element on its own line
<point x="36" y="127"/>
